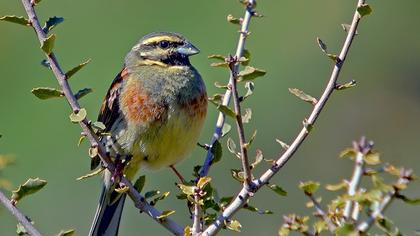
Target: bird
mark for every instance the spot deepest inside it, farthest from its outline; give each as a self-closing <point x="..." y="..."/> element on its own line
<point x="153" y="113"/>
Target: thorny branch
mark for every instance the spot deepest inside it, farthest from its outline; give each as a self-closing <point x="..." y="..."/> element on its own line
<point x="138" y="200"/>
<point x="19" y="216"/>
<point x="245" y="194"/>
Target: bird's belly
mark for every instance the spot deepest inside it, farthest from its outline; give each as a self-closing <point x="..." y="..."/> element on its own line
<point x="168" y="143"/>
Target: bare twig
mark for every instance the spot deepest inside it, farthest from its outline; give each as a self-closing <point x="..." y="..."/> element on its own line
<point x="240" y="127"/>
<point x="386" y="201"/>
<point x="322" y="213"/>
<point x="138" y="200"/>
<point x="19" y="216"/>
<point x="244" y="194"/>
<point x="197" y="223"/>
<point x="354" y="185"/>
<point x="226" y="98"/>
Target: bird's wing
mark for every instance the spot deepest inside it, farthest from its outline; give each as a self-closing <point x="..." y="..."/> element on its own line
<point x="110" y="110"/>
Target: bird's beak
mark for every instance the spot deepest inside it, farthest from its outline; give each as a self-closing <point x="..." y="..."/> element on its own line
<point x="188" y="49"/>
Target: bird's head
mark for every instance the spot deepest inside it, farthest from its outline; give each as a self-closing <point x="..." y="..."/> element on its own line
<point x="164" y="48"/>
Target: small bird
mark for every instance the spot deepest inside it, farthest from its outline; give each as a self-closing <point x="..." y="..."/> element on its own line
<point x="154" y="112"/>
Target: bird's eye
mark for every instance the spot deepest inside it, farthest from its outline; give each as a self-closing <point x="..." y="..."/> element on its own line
<point x="164" y="44"/>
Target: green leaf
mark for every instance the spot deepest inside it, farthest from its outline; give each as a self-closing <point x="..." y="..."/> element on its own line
<point x="364" y="10"/>
<point x="303" y="96"/>
<point x="217" y="57"/>
<point x="411" y="201"/>
<point x="220" y="64"/>
<point x="93" y="151"/>
<point x="233" y="20"/>
<point x="217" y="151"/>
<point x="249" y="86"/>
<point x="165" y="214"/>
<point x="68" y="232"/>
<point x="48" y="44"/>
<point x="226" y="129"/>
<point x="231" y="146"/>
<point x="259" y="157"/>
<point x="234" y="225"/>
<point x="255" y="209"/>
<point x="221" y="86"/>
<point x="250" y="73"/>
<point x="247" y="55"/>
<point x="216" y="99"/>
<point x="309" y="187"/>
<point x="333" y="57"/>
<point x="277" y="189"/>
<point x="29" y="187"/>
<point x="82" y="92"/>
<point x="159" y="198"/>
<point x="187" y="189"/>
<point x="321" y="45"/>
<point x="347" y="85"/>
<point x="237" y="175"/>
<point x="46" y="93"/>
<point x="79" y="116"/>
<point x="320" y="226"/>
<point x="16" y="19"/>
<point x="139" y="184"/>
<point x="75" y="69"/>
<point x="98" y="125"/>
<point x="372" y="158"/>
<point x="203" y="181"/>
<point x="336" y="187"/>
<point x="122" y="189"/>
<point x="284" y="145"/>
<point x="347" y="230"/>
<point x="51" y="23"/>
<point x="348" y="152"/>
<point x="36" y="2"/>
<point x="251" y="140"/>
<point x="20" y="229"/>
<point x="91" y="174"/>
<point x="226" y="110"/>
<point x="151" y="193"/>
<point x="247" y="116"/>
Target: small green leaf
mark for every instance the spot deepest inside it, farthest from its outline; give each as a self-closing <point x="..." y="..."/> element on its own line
<point x="159" y="198"/>
<point x="347" y="230"/>
<point x="20" y="229"/>
<point x="251" y="140"/>
<point x="48" y="44"/>
<point x="255" y="209"/>
<point x="68" y="232"/>
<point x="320" y="226"/>
<point x="151" y="193"/>
<point x="247" y="116"/>
<point x="79" y="116"/>
<point x="284" y="145"/>
<point x="303" y="96"/>
<point x="217" y="57"/>
<point x="226" y="110"/>
<point x="233" y="20"/>
<point x="364" y="10"/>
<point x="259" y="157"/>
<point x="347" y="85"/>
<point x="217" y="151"/>
<point x="94" y="173"/>
<point x="226" y="129"/>
<point x="392" y="170"/>
<point x="309" y="187"/>
<point x="220" y="64"/>
<point x="234" y="225"/>
<point x="216" y="99"/>
<point x="122" y="189"/>
<point x="165" y="214"/>
<point x="36" y="2"/>
<point x="139" y="184"/>
<point x="231" y="146"/>
<point x="249" y="86"/>
<point x="75" y="69"/>
<point x="321" y="45"/>
<point x="336" y="187"/>
<point x="237" y="175"/>
<point x="372" y="158"/>
<point x="203" y="181"/>
<point x="250" y="73"/>
<point x="29" y="187"/>
<point x="51" y="23"/>
<point x="333" y="57"/>
<point x="411" y="201"/>
<point x="82" y="92"/>
<point x="277" y="189"/>
<point x="93" y="151"/>
<point x="16" y="19"/>
<point x="247" y="55"/>
<point x="348" y="152"/>
<point x="221" y="86"/>
<point x="46" y="93"/>
<point x="187" y="189"/>
<point x="98" y="125"/>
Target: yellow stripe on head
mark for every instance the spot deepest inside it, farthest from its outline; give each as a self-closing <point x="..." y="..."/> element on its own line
<point x="160" y="38"/>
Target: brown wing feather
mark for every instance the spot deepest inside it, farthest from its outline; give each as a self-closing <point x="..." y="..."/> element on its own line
<point x="110" y="110"/>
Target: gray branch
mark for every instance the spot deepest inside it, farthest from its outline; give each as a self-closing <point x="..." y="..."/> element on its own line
<point x="138" y="199"/>
<point x="245" y="194"/>
<point x="19" y="216"/>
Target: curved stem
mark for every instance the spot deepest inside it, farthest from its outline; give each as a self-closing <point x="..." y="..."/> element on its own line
<point x="244" y="194"/>
<point x="228" y="94"/>
<point x="19" y="216"/>
<point x="138" y="199"/>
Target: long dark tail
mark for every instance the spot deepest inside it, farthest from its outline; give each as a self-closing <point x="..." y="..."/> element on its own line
<point x="108" y="214"/>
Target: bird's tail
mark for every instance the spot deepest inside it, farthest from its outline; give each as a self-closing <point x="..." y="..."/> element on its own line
<point x="108" y="213"/>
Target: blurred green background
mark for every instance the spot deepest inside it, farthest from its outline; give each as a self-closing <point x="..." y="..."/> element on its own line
<point x="385" y="106"/>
